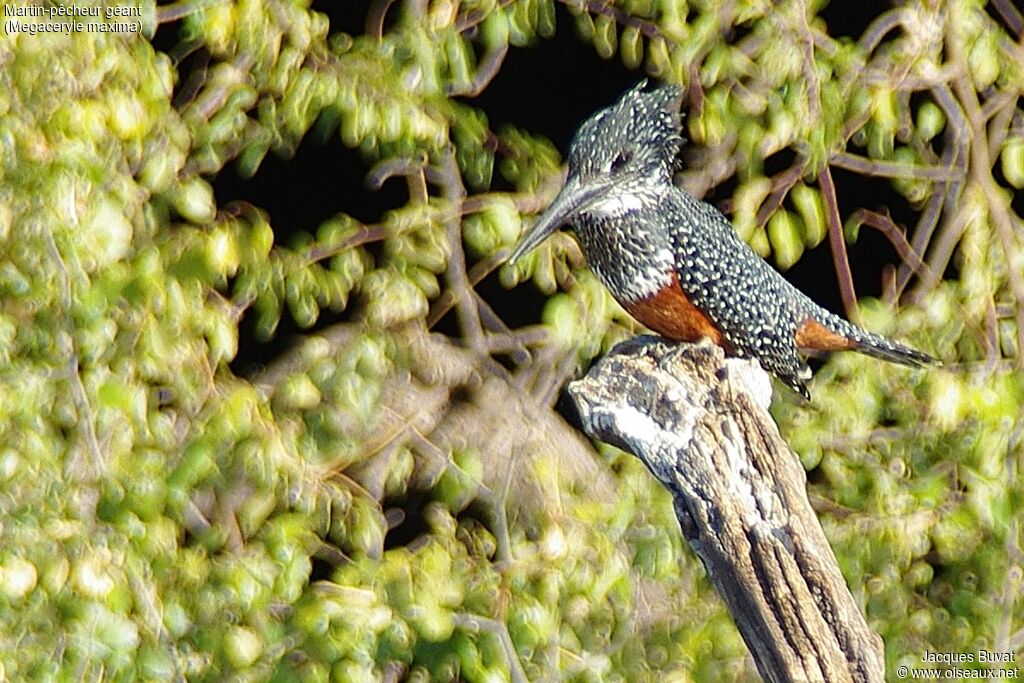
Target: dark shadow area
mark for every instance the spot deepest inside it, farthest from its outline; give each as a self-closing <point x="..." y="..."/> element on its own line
<point x="567" y="409"/>
<point x="166" y="36"/>
<point x="322" y="179"/>
<point x="320" y="569"/>
<point x="413" y="525"/>
<point x="850" y="18"/>
<point x="346" y="16"/>
<point x="551" y="87"/>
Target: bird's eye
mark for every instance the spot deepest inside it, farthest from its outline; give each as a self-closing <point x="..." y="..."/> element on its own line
<point x="620" y="160"/>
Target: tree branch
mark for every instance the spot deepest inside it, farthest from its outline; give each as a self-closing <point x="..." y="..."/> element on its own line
<point x="700" y="423"/>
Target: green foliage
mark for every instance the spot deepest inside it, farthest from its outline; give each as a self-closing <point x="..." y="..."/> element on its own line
<point x="161" y="517"/>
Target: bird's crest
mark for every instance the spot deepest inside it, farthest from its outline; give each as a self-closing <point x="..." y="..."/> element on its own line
<point x="642" y="129"/>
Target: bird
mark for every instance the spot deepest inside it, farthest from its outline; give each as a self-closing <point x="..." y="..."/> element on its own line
<point x="674" y="262"/>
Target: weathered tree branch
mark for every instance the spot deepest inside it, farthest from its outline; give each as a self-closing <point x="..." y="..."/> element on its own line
<point x="701" y="425"/>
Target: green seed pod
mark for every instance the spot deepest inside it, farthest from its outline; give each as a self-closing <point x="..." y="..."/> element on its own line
<point x="55" y="574"/>
<point x="916" y="190"/>
<point x="251" y="157"/>
<point x="759" y="243"/>
<point x="161" y="167"/>
<point x="254" y="511"/>
<point x="520" y="28"/>
<point x="242" y="647"/>
<point x="494" y="30"/>
<point x="631" y="46"/>
<point x="161" y="539"/>
<point x="128" y="118"/>
<point x="470" y="659"/>
<point x="268" y="313"/>
<point x="193" y="199"/>
<point x="883" y="124"/>
<point x="297" y="393"/>
<point x="658" y="60"/>
<point x="392" y="298"/>
<point x="304" y="309"/>
<point x="176" y="619"/>
<point x="399" y="473"/>
<point x="1012" y="162"/>
<point x="455" y="488"/>
<point x="563" y="316"/>
<point x="434" y="623"/>
<point x="147" y="495"/>
<point x="18" y="578"/>
<point x="545" y="18"/>
<point x="113" y="630"/>
<point x="585" y="25"/>
<point x="810" y="206"/>
<point x="747" y="200"/>
<point x="366" y="527"/>
<point x="155" y="663"/>
<point x="716" y="65"/>
<point x="605" y="36"/>
<point x="219" y="28"/>
<point x="91" y="575"/>
<point x="351" y="670"/>
<point x="460" y="61"/>
<point x="946" y="400"/>
<point x="196" y="464"/>
<point x="983" y="59"/>
<point x="222" y="252"/>
<point x="714" y="119"/>
<point x="931" y="120"/>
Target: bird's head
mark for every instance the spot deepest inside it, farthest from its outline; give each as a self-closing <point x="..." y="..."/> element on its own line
<point x="617" y="160"/>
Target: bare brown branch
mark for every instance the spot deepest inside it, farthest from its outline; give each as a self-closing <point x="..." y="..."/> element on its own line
<point x="838" y="244"/>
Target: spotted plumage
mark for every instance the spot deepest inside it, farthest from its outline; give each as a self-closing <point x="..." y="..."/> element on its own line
<point x="674" y="262"/>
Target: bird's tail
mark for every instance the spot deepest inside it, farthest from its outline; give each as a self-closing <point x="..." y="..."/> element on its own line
<point x="872" y="344"/>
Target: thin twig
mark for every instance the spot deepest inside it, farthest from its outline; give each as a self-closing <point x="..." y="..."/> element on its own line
<point x="885" y="225"/>
<point x="496" y="327"/>
<point x="1011" y="15"/>
<point x="981" y="174"/>
<point x="519" y="338"/>
<point x="889" y="169"/>
<point x="838" y="244"/>
<point x="478" y="272"/>
<point x="880" y="27"/>
<point x="375" y="18"/>
<point x="412" y="169"/>
<point x="953" y="159"/>
<point x="364" y="235"/>
<point x="525" y="202"/>
<point x="922" y="236"/>
<point x="165" y="14"/>
<point x="942" y="246"/>
<point x="999" y="111"/>
<point x="486" y="70"/>
<point x="458" y="282"/>
<point x="782" y="183"/>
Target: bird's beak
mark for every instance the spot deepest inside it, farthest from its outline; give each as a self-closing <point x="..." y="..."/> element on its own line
<point x="573" y="197"/>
